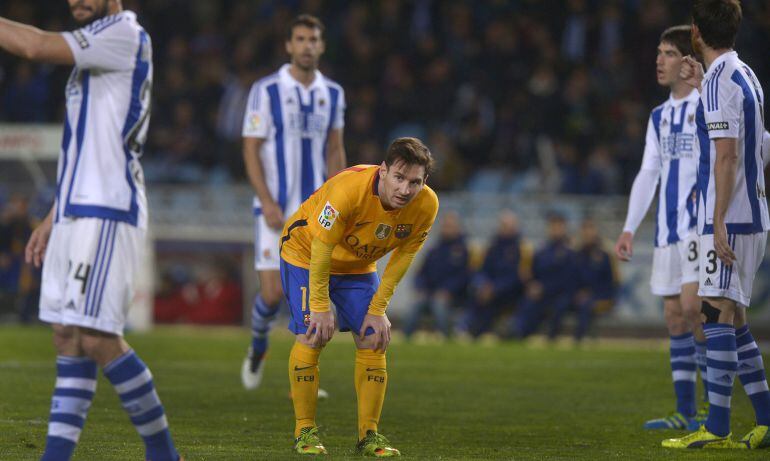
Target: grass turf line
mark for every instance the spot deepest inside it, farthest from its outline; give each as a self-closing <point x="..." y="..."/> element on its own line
<point x="447" y="402"/>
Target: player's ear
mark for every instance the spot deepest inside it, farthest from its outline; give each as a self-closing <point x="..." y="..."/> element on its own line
<point x="383" y="170"/>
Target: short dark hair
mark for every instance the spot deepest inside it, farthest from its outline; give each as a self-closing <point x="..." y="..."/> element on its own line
<point x="306" y="20"/>
<point x="679" y="36"/>
<point x="718" y="21"/>
<point x="410" y="151"/>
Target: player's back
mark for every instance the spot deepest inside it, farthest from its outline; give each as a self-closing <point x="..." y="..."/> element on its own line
<point x="108" y="105"/>
<point x="348" y="207"/>
<point x="732" y="107"/>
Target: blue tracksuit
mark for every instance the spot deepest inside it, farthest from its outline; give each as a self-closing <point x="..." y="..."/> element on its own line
<point x="554" y="266"/>
<point x="501" y="268"/>
<point x="597" y="280"/>
<point x="445" y="269"/>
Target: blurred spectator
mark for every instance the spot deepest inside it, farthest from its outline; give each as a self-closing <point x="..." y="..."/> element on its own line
<point x="500" y="281"/>
<point x="442" y="279"/>
<point x="19" y="282"/>
<point x="598" y="280"/>
<point x="555" y="276"/>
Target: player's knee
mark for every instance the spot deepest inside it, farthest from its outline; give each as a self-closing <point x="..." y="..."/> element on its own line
<point x="65" y="340"/>
<point x="272" y="295"/>
<point x="302" y="339"/>
<point x="101" y="347"/>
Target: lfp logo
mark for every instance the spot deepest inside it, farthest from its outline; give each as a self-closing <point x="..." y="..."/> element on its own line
<point x="328" y="216"/>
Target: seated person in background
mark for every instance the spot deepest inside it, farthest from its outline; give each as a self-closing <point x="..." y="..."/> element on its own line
<point x="598" y="278"/>
<point x="443" y="277"/>
<point x="500" y="281"/>
<point x="553" y="283"/>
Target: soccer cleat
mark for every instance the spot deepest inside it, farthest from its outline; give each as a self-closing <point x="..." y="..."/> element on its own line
<point x="308" y="442"/>
<point x="701" y="438"/>
<point x="252" y="369"/>
<point x="375" y="444"/>
<point x="759" y="437"/>
<point x="675" y="420"/>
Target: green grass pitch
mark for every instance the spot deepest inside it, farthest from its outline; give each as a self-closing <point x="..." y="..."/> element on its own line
<point x="455" y="401"/>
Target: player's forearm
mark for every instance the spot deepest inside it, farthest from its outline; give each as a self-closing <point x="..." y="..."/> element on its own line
<point x="724" y="181"/>
<point x="31" y="43"/>
<point x="397" y="266"/>
<point x="336" y="159"/>
<point x="320" y="268"/>
<point x="642" y="193"/>
<point x="254" y="170"/>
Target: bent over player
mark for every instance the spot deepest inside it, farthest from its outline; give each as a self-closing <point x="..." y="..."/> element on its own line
<point x="671" y="159"/>
<point x="329" y="251"/>
<point x="90" y="243"/>
<point x="732" y="222"/>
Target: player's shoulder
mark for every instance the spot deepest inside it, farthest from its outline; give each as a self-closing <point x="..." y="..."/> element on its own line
<point x="119" y="23"/>
<point x="332" y="84"/>
<point x="265" y="81"/>
<point x="427" y="200"/>
<point x="658" y="110"/>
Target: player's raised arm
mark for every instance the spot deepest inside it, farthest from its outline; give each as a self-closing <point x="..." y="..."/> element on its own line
<point x="31" y="43"/>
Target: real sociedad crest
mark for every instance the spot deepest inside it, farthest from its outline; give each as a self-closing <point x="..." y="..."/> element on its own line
<point x="403" y="230"/>
<point x="383" y="231"/>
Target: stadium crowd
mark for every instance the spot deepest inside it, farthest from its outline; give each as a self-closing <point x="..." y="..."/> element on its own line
<point x="552" y="95"/>
<point x="470" y="291"/>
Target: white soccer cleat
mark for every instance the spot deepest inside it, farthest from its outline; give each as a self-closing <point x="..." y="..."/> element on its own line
<point x="252" y="370"/>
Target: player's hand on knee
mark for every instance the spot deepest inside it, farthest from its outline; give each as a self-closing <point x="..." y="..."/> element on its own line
<point x="321" y="328"/>
<point x="273" y="215"/>
<point x="38" y="241"/>
<point x="624" y="248"/>
<point x="381" y="326"/>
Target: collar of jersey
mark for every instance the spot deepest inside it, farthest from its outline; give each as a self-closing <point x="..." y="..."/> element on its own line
<point x="722" y="58"/>
<point x="286" y="76"/>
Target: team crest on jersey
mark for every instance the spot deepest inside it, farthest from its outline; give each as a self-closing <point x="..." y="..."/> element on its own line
<point x="403" y="230"/>
<point x="691" y="119"/>
<point x="322" y="102"/>
<point x="328" y="216"/>
<point x="383" y="231"/>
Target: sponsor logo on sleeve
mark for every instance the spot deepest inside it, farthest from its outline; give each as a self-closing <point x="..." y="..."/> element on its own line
<point x="254" y="122"/>
<point x="81" y="39"/>
<point x="718" y="126"/>
<point x="328" y="216"/>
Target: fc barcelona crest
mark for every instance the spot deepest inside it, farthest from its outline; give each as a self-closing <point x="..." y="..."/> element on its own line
<point x="383" y="231"/>
<point x="403" y="230"/>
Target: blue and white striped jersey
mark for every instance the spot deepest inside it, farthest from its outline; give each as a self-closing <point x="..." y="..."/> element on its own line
<point x="671" y="149"/>
<point x="731" y="106"/>
<point x="105" y="127"/>
<point x="295" y="122"/>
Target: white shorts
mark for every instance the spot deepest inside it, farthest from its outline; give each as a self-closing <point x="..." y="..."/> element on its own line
<point x="736" y="281"/>
<point x="675" y="265"/>
<point x="266" y="247"/>
<point x="88" y="273"/>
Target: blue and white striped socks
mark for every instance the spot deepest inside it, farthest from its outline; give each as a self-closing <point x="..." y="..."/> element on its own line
<point x="751" y="371"/>
<point x="722" y="362"/>
<point x="262" y="319"/>
<point x="75" y="388"/>
<point x="700" y="358"/>
<point x="684" y="373"/>
<point x="133" y="383"/>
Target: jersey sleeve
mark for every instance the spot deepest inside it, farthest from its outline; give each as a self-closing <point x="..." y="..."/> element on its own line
<point x="651" y="159"/>
<point x="257" y="119"/>
<point x="339" y="117"/>
<point x="329" y="217"/>
<point x="723" y="108"/>
<point x="111" y="46"/>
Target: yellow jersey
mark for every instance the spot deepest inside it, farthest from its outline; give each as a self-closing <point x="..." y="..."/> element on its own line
<point x="346" y="211"/>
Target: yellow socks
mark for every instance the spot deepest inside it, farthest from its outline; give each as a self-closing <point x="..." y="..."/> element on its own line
<point x="371" y="379"/>
<point x="303" y="376"/>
